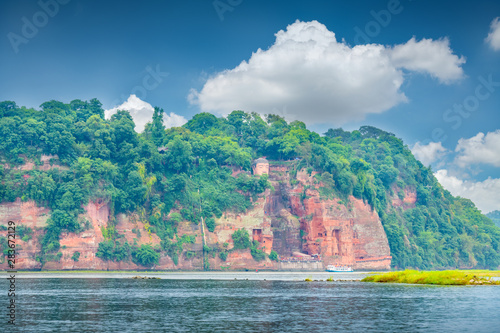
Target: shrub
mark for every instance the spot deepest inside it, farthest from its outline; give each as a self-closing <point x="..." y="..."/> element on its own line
<point x="257" y="253"/>
<point x="210" y="222"/>
<point x="273" y="255"/>
<point x="175" y="218"/>
<point x="113" y="251"/>
<point x="105" y="250"/>
<point x="146" y="255"/>
<point x="241" y="239"/>
<point x="75" y="256"/>
<point x="223" y="256"/>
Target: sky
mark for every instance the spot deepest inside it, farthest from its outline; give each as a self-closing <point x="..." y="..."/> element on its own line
<point x="427" y="71"/>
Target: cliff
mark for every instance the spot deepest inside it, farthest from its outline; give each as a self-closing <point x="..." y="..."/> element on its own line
<point x="358" y="198"/>
<point x="343" y="233"/>
<point x="283" y="220"/>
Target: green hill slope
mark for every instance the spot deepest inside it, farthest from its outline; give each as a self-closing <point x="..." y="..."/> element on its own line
<point x="189" y="170"/>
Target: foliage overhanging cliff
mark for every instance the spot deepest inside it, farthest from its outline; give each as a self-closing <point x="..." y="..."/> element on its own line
<point x="169" y="175"/>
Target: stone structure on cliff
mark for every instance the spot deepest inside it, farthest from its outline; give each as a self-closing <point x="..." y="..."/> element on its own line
<point x="341" y="232"/>
<point x="260" y="166"/>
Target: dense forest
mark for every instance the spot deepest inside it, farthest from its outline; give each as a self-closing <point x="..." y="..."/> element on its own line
<point x="185" y="174"/>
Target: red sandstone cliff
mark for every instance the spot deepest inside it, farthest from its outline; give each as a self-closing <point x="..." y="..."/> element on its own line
<point x="288" y="220"/>
<point x="347" y="233"/>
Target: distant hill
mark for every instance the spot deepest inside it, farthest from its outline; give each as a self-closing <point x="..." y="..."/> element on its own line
<point x="165" y="197"/>
<point x="495" y="217"/>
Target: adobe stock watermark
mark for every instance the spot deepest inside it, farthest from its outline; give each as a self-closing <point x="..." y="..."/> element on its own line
<point x="31" y="27"/>
<point x="460" y="111"/>
<point x="11" y="262"/>
<point x="151" y="81"/>
<point x="381" y="19"/>
<point x="223" y="6"/>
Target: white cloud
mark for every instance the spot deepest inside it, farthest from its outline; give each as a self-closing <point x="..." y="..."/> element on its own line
<point x="484" y="194"/>
<point x="315" y="78"/>
<point x="173" y="120"/>
<point x="427" y="154"/>
<point x="494" y="36"/>
<point x="142" y="113"/>
<point x="429" y="56"/>
<point x="479" y="149"/>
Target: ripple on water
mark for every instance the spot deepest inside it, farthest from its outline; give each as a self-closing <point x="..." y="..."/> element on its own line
<point x="125" y="305"/>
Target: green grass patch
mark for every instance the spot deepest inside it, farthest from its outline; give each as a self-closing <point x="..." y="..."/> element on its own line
<point x="482" y="272"/>
<point x="452" y="277"/>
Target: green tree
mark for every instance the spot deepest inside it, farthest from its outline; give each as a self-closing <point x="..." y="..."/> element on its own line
<point x="146" y="255"/>
<point x="210" y="222"/>
<point x="274" y="255"/>
<point x="241" y="239"/>
<point x="257" y="253"/>
<point x="75" y="256"/>
<point x="179" y="157"/>
<point x="158" y="128"/>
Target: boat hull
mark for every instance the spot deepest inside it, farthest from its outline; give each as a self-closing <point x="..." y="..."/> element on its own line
<point x="338" y="269"/>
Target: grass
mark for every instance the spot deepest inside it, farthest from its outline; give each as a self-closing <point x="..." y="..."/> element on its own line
<point x="483" y="272"/>
<point x="455" y="277"/>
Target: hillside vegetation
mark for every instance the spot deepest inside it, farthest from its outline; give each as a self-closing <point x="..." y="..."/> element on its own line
<point x="190" y="178"/>
<point x="495" y="217"/>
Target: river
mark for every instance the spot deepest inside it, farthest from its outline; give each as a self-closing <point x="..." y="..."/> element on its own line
<point x="228" y="302"/>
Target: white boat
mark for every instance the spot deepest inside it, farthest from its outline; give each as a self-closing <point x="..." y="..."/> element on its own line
<point x="338" y="268"/>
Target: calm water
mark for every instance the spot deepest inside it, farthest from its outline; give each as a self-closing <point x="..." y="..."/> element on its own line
<point x="116" y="303"/>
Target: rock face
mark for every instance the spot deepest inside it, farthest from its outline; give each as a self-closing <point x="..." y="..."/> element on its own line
<point x="293" y="220"/>
<point x="345" y="233"/>
<point x="258" y="225"/>
<point x="47" y="162"/>
<point x="29" y="215"/>
<point x="86" y="242"/>
<point x="408" y="201"/>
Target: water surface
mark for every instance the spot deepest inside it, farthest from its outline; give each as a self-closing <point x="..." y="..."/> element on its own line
<point x="121" y="304"/>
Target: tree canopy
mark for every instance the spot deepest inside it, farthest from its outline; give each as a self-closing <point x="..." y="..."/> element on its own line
<point x="186" y="173"/>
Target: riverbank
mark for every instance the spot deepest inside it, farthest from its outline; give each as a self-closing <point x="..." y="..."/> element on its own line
<point x="195" y="275"/>
<point x="451" y="277"/>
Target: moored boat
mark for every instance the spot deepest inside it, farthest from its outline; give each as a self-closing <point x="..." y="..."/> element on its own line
<point x="338" y="268"/>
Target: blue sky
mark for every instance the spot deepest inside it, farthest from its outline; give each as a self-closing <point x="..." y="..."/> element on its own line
<point x="348" y="64"/>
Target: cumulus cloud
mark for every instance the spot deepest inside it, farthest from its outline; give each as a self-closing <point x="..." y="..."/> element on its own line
<point x="427" y="154"/>
<point x="173" y="120"/>
<point x="480" y="148"/>
<point x="315" y="78"/>
<point x="484" y="194"/>
<point x="429" y="56"/>
<point x="494" y="36"/>
<point x="142" y="113"/>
